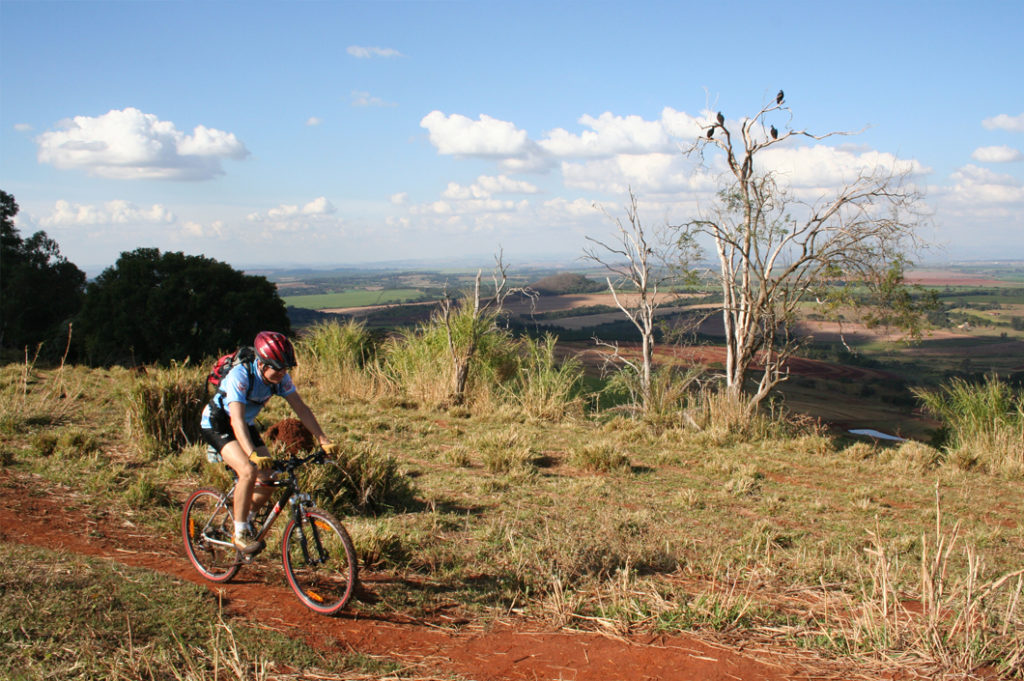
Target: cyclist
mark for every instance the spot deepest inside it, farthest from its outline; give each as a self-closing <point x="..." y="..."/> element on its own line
<point x="229" y="425"/>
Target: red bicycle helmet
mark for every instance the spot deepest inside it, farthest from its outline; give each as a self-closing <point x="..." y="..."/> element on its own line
<point x="274" y="349"/>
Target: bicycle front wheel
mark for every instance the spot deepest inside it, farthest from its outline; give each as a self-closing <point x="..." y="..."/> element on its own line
<point x="207" y="528"/>
<point x="319" y="561"/>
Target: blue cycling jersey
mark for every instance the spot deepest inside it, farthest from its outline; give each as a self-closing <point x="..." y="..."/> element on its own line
<point x="235" y="388"/>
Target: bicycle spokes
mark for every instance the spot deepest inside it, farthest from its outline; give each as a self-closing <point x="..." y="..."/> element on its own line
<point x="320" y="562"/>
<point x="206" y="528"/>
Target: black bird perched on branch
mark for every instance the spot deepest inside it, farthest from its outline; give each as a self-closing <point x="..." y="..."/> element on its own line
<point x="721" y="118"/>
<point x="774" y="133"/>
<point x="779" y="97"/>
<point x="711" y="133"/>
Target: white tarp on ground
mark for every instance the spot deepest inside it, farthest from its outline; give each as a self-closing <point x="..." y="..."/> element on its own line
<point x="877" y="434"/>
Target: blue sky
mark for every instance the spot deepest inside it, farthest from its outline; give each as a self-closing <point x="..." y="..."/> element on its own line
<point x="330" y="133"/>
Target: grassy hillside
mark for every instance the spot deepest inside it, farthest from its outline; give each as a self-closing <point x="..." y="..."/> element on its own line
<point x="587" y="518"/>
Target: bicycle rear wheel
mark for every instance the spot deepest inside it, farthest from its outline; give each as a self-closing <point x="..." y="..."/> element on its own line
<point x="320" y="562"/>
<point x="207" y="528"/>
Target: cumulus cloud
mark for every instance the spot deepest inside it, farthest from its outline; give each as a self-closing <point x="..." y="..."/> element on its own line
<point x="975" y="185"/>
<point x="23" y="127"/>
<point x="821" y="166"/>
<point x="215" y="229"/>
<point x="1005" y="122"/>
<point x="370" y="52"/>
<point x="459" y="135"/>
<point x="608" y="135"/>
<point x="130" y="144"/>
<point x="644" y="173"/>
<point x="67" y="214"/>
<point x="399" y="199"/>
<point x="1000" y="154"/>
<point x="313" y="121"/>
<point x="486" y="186"/>
<point x="317" y="207"/>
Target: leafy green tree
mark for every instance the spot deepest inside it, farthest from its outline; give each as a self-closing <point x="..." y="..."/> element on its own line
<point x="40" y="291"/>
<point x="154" y="308"/>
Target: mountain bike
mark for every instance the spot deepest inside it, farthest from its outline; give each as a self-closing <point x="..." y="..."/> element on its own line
<point x="318" y="556"/>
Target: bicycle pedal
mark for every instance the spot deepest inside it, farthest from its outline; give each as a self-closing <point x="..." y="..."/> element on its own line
<point x="243" y="558"/>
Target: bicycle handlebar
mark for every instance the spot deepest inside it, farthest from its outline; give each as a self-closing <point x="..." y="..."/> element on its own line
<point x="293" y="462"/>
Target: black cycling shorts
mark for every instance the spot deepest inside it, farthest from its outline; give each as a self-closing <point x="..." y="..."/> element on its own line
<point x="220" y="433"/>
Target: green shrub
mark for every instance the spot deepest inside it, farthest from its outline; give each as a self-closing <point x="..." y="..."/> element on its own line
<point x="984" y="423"/>
<point x="341" y="345"/>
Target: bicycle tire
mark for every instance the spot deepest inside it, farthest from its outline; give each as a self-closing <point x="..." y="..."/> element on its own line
<point x="324" y="582"/>
<point x="205" y="518"/>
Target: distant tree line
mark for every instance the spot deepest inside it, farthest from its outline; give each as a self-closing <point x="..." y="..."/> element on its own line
<point x="149" y="307"/>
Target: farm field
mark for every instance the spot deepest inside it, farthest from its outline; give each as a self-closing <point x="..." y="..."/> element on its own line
<point x="353" y="299"/>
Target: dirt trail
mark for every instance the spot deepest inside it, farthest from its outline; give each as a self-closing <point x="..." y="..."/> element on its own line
<point x="37" y="513"/>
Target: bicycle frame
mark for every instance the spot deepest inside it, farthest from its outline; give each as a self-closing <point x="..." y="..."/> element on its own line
<point x="291" y="495"/>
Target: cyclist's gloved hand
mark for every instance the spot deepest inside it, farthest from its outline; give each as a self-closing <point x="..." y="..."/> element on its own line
<point x="330" y="449"/>
<point x="261" y="462"/>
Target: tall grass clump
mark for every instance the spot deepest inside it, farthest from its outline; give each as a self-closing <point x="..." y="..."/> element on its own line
<point x="721" y="417"/>
<point x="943" y="607"/>
<point x="544" y="387"/>
<point x="673" y="391"/>
<point x="363" y="478"/>
<point x="984" y="423"/>
<point x="341" y="358"/>
<point x="422" y="363"/>
<point x="506" y="452"/>
<point x="599" y="457"/>
<point x="346" y="345"/>
<point x="30" y="396"/>
<point x="163" y="407"/>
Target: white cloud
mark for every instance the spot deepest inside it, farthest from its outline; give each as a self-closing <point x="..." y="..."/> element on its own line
<point x="487" y="186"/>
<point x="319" y="206"/>
<point x="23" y="127"/>
<point x="399" y="199"/>
<point x="130" y="144"/>
<point x="459" y="135"/>
<point x="316" y="207"/>
<point x="67" y="214"/>
<point x="577" y="208"/>
<point x="370" y="52"/>
<point x="821" y="166"/>
<point x="1000" y="154"/>
<point x="973" y="185"/>
<point x="660" y="173"/>
<point x="1005" y="122"/>
<point x="681" y="125"/>
<point x="313" y="121"/>
<point x="361" y="99"/>
<point x="198" y="230"/>
<point x="608" y="135"/>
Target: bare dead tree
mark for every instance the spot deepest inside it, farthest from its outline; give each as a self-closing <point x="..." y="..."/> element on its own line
<point x="639" y="275"/>
<point x="467" y="321"/>
<point x="776" y="252"/>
